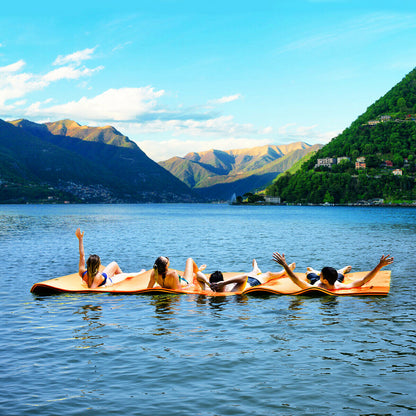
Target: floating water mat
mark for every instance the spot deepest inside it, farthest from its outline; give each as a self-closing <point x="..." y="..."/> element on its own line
<point x="137" y="283"/>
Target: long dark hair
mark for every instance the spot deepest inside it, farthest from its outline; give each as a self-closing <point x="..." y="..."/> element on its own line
<point x="93" y="267"/>
<point x="161" y="266"/>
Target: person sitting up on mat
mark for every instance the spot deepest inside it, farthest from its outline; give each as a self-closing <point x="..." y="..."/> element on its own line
<point x="91" y="275"/>
<point x="169" y="279"/>
<point x="328" y="278"/>
<point x="217" y="283"/>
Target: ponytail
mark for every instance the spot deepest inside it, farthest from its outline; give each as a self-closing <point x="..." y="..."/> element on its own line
<point x="155" y="270"/>
<point x="93" y="267"/>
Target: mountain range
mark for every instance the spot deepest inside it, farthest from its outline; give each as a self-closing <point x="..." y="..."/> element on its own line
<point x="218" y="174"/>
<point x="65" y="160"/>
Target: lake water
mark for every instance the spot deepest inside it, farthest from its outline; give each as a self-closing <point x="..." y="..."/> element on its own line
<point x="103" y="354"/>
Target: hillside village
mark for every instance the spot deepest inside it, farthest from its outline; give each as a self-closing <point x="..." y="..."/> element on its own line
<point x="360" y="163"/>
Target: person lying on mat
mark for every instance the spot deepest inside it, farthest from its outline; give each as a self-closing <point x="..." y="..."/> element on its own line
<point x="217" y="283"/>
<point x="328" y="278"/>
<point x="91" y="274"/>
<point x="169" y="279"/>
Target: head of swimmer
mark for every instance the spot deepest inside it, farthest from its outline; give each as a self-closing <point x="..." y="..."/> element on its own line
<point x="161" y="265"/>
<point x="329" y="275"/>
<point x="93" y="265"/>
<point x="214" y="278"/>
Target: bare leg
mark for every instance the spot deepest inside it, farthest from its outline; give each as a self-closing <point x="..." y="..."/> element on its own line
<point x="256" y="270"/>
<point x="191" y="269"/>
<point x="265" y="277"/>
<point x="112" y="269"/>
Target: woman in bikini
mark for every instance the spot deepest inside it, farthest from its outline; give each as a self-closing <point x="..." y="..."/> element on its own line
<point x="169" y="279"/>
<point x="91" y="275"/>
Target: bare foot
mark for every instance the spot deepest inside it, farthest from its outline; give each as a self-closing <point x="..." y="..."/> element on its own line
<point x="292" y="266"/>
<point x="310" y="270"/>
<point x="345" y="270"/>
<point x="256" y="269"/>
<point x="202" y="267"/>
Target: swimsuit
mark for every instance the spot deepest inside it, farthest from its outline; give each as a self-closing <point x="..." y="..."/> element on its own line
<point x="182" y="278"/>
<point x="252" y="281"/>
<point x="103" y="275"/>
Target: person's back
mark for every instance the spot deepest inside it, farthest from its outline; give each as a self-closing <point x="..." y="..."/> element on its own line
<point x="169" y="280"/>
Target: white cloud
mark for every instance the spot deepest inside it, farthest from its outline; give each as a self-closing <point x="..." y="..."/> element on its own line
<point x="188" y="141"/>
<point x="15" y="84"/>
<point x="17" y="66"/>
<point x="121" y="46"/>
<point x="19" y="103"/>
<point x="68" y="72"/>
<point x="226" y="99"/>
<point x="221" y="127"/>
<point x="18" y="85"/>
<point x="76" y="57"/>
<point x="113" y="105"/>
<point x="293" y="132"/>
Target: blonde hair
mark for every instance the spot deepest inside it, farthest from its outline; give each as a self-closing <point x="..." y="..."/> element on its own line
<point x="93" y="267"/>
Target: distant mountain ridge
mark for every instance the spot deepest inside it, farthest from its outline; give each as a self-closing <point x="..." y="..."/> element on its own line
<point x="91" y="164"/>
<point x="219" y="174"/>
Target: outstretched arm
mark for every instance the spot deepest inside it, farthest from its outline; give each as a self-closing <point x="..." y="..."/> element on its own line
<point x="280" y="259"/>
<point x="384" y="261"/>
<point x="81" y="266"/>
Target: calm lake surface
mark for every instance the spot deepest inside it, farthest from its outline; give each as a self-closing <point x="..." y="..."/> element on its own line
<point x="104" y="354"/>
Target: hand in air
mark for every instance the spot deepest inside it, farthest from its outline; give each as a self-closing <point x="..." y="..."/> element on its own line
<point x="385" y="260"/>
<point x="79" y="234"/>
<point x="279" y="258"/>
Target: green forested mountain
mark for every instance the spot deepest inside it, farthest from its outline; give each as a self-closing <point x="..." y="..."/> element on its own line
<point x="64" y="160"/>
<point x="385" y="136"/>
<point x="217" y="174"/>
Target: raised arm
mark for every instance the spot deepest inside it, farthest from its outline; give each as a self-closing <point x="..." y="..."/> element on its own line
<point x="81" y="266"/>
<point x="280" y="259"/>
<point x="384" y="261"/>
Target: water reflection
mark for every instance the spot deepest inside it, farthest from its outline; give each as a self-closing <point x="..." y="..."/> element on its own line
<point x="296" y="304"/>
<point x="165" y="308"/>
<point x="89" y="334"/>
<point x="329" y="304"/>
<point x="217" y="303"/>
<point x="165" y="305"/>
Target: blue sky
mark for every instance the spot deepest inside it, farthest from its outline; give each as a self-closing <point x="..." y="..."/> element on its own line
<point x="181" y="76"/>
